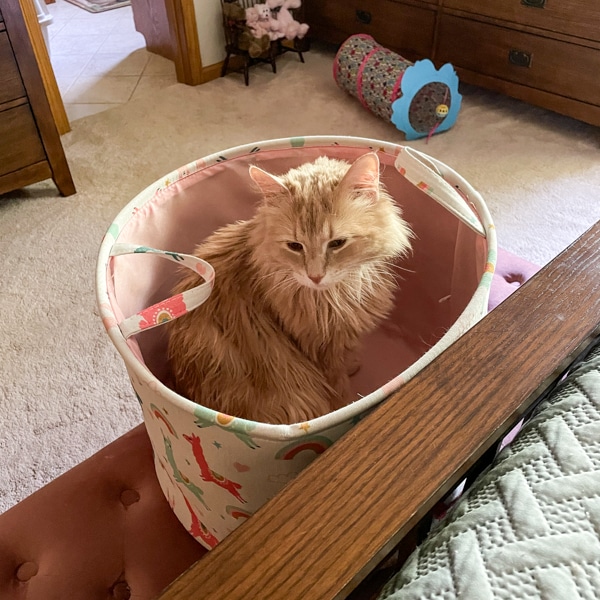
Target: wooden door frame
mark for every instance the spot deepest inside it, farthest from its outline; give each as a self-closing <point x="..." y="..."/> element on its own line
<point x="34" y="29"/>
<point x="181" y="15"/>
<point x="177" y="39"/>
<point x="184" y="52"/>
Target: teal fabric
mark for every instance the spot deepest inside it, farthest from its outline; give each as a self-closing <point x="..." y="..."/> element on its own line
<point x="530" y="526"/>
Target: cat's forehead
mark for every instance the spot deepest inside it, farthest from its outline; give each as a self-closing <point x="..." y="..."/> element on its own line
<point x="315" y="180"/>
<point x="312" y="217"/>
<point x="314" y="203"/>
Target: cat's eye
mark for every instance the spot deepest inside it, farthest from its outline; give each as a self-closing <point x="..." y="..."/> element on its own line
<point x="295" y="246"/>
<point x="335" y="244"/>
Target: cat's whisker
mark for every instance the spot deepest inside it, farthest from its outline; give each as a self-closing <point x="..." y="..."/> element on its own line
<point x="282" y="285"/>
<point x="286" y="279"/>
<point x="265" y="275"/>
<point x="405" y="270"/>
<point x="283" y="275"/>
<point x="397" y="267"/>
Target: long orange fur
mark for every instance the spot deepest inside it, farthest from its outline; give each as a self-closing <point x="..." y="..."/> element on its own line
<point x="272" y="342"/>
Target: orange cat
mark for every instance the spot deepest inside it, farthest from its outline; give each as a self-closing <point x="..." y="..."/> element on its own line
<point x="296" y="287"/>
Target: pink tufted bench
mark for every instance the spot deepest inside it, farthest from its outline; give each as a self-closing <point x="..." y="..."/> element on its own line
<point x="104" y="529"/>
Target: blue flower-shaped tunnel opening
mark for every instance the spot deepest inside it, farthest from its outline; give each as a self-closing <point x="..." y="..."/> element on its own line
<point x="429" y="101"/>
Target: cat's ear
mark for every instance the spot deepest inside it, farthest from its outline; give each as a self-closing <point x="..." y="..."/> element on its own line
<point x="362" y="177"/>
<point x="269" y="185"/>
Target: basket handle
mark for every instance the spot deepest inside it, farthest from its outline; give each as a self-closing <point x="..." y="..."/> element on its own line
<point x="419" y="169"/>
<point x="175" y="306"/>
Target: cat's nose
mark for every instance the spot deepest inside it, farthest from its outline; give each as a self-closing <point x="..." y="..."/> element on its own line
<point x="315" y="278"/>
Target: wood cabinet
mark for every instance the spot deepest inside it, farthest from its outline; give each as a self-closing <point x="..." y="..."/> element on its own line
<point x="405" y="27"/>
<point x="30" y="146"/>
<point x="579" y="18"/>
<point x="545" y="52"/>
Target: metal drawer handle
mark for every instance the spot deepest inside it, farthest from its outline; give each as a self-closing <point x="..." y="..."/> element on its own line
<point x="534" y="3"/>
<point x="364" y="16"/>
<point x="519" y="58"/>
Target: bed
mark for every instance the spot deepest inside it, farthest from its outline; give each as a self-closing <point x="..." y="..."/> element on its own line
<point x="528" y="527"/>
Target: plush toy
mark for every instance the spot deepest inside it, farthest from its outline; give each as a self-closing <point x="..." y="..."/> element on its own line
<point x="235" y="15"/>
<point x="260" y="21"/>
<point x="287" y="25"/>
<point x="255" y="46"/>
<point x="233" y="11"/>
<point x="258" y="36"/>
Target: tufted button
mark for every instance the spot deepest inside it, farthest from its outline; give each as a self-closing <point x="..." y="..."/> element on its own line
<point x="26" y="571"/>
<point x="129" y="497"/>
<point x="121" y="591"/>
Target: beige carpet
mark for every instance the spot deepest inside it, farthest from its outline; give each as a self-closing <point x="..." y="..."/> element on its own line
<point x="63" y="389"/>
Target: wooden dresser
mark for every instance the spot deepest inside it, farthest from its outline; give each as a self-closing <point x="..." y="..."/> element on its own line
<point x="30" y="146"/>
<point x="407" y="26"/>
<point x="545" y="52"/>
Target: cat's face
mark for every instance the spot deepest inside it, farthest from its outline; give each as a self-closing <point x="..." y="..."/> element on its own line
<point x="317" y="259"/>
<point x="325" y="221"/>
<point x="326" y="247"/>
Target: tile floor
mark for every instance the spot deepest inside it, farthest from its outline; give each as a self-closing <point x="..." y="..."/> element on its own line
<point x="100" y="60"/>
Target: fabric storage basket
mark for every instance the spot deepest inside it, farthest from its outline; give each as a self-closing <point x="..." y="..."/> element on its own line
<point x="216" y="469"/>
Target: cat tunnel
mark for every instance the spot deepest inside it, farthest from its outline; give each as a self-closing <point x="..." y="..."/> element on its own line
<point x="416" y="97"/>
<point x="215" y="469"/>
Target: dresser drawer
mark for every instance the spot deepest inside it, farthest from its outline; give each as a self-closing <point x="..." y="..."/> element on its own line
<point x="553" y="66"/>
<point x="20" y="144"/>
<point x="400" y="27"/>
<point x="11" y="86"/>
<point x="580" y="18"/>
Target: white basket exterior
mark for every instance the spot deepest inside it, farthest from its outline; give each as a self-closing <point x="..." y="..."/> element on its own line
<point x="251" y="461"/>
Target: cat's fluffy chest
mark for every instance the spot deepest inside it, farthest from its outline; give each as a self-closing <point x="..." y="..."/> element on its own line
<point x="326" y="322"/>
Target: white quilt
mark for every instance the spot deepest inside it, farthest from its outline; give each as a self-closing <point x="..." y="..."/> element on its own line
<point x="530" y="526"/>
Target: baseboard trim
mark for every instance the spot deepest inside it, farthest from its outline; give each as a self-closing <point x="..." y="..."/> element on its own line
<point x="211" y="72"/>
